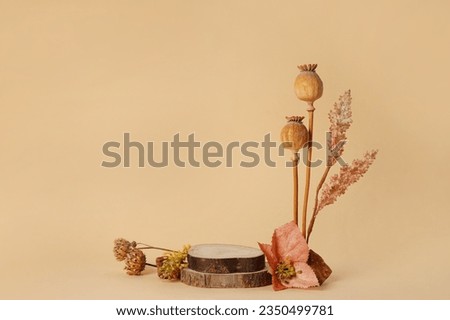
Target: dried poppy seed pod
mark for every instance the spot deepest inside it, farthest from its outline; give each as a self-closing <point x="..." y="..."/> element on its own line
<point x="308" y="85"/>
<point x="294" y="134"/>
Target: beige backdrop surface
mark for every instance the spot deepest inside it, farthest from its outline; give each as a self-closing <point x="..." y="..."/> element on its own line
<point x="76" y="74"/>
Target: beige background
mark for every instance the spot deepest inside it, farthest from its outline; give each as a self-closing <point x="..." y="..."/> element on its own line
<point x="75" y="74"/>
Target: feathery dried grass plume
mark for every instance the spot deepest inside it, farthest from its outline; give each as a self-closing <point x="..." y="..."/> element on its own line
<point x="121" y="248"/>
<point x="172" y="263"/>
<point x="340" y="117"/>
<point x="339" y="183"/>
<point x="135" y="262"/>
<point x="347" y="176"/>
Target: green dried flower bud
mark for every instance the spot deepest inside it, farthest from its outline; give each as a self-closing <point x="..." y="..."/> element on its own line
<point x="170" y="266"/>
<point x="285" y="271"/>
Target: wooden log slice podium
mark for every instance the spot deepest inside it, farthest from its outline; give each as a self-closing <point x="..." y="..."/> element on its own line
<point x="225" y="266"/>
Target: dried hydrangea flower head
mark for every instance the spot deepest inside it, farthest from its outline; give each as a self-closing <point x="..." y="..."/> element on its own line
<point x="121" y="248"/>
<point x="294" y="134"/>
<point x="135" y="262"/>
<point x="308" y="85"/>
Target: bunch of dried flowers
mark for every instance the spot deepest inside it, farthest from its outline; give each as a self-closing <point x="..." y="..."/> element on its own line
<point x="291" y="262"/>
<point x="169" y="266"/>
<point x="284" y="258"/>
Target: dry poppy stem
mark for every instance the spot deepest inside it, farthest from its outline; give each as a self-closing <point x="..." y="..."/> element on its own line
<point x="308" y="166"/>
<point x="295" y="174"/>
<point x="294" y="136"/>
<point x="316" y="202"/>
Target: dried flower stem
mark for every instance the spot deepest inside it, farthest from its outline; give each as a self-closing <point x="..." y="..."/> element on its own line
<point x="316" y="202"/>
<point x="340" y="117"/>
<point x="295" y="159"/>
<point x="308" y="166"/>
<point x="151" y="265"/>
<point x="152" y="247"/>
